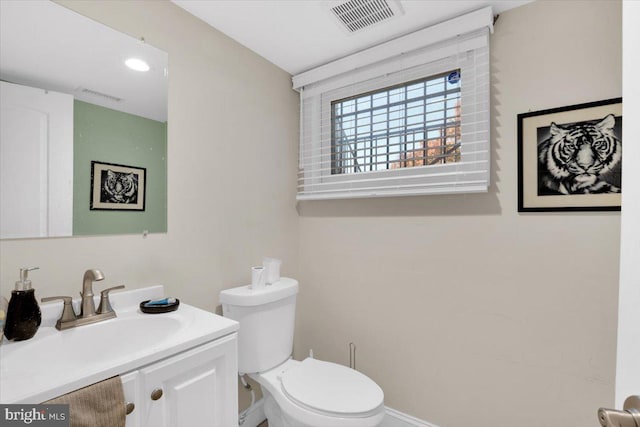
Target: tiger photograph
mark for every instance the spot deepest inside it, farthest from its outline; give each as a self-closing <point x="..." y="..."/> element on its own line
<point x="570" y="158"/>
<point x="580" y="158"/>
<point x="117" y="187"/>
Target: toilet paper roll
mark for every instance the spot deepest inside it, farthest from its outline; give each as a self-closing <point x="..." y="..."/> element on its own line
<point x="272" y="270"/>
<point x="258" y="278"/>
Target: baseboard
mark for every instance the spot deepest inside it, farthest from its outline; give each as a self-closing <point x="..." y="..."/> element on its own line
<point x="398" y="419"/>
<point x="393" y="418"/>
<point x="256" y="416"/>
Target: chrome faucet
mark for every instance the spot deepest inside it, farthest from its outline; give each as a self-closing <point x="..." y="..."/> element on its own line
<point x="88" y="307"/>
<point x="88" y="313"/>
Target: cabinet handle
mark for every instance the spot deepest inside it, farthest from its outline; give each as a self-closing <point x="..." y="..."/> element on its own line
<point x="129" y="407"/>
<point x="156" y="394"/>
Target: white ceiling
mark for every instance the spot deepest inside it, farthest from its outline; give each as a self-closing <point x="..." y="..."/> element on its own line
<point x="298" y="35"/>
<point x="45" y="45"/>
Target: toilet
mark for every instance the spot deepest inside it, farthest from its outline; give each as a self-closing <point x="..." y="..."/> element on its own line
<point x="308" y="393"/>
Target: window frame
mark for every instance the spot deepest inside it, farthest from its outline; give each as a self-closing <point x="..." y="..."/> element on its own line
<point x="397" y="78"/>
<point x="400" y="134"/>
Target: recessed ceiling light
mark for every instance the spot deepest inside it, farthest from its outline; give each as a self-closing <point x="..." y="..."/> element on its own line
<point x="137" y="64"/>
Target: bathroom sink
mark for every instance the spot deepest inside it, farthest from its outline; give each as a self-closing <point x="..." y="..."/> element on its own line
<point x="55" y="362"/>
<point x="111" y="339"/>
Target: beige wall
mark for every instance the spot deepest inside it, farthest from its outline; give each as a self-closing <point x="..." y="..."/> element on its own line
<point x="233" y="126"/>
<point x="461" y="308"/>
<point x="464" y="311"/>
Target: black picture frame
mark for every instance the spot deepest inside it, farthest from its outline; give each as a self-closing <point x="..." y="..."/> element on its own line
<point x="116" y="187"/>
<point x="551" y="185"/>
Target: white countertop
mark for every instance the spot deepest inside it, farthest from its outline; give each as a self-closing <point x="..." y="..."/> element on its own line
<point x="55" y="362"/>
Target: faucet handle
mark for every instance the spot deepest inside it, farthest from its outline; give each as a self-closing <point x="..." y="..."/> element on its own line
<point x="105" y="304"/>
<point x="67" y="311"/>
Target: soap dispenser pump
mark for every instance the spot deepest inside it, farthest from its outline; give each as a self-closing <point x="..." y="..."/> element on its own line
<point x="23" y="313"/>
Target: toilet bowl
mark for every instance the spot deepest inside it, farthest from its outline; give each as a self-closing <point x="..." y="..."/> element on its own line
<point x="308" y="393"/>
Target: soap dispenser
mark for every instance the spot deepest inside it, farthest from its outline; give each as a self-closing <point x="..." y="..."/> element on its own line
<point x="23" y="313"/>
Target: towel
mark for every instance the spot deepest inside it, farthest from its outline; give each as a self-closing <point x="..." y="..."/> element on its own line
<point x="98" y="405"/>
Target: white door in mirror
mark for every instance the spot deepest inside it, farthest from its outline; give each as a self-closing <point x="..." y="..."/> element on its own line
<point x="36" y="200"/>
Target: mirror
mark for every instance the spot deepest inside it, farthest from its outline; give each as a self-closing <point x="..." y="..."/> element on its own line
<point x="83" y="138"/>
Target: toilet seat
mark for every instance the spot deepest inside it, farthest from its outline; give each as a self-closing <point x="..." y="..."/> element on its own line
<point x="332" y="389"/>
<point x="301" y="413"/>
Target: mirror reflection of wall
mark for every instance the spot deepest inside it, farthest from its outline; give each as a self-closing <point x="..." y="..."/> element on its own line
<point x="101" y="111"/>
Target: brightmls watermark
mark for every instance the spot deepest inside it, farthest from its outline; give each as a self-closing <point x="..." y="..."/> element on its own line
<point x="35" y="415"/>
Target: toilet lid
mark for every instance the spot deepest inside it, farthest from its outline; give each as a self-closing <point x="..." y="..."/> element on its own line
<point x="331" y="388"/>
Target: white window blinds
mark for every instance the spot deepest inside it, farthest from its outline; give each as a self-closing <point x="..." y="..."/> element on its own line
<point x="413" y="123"/>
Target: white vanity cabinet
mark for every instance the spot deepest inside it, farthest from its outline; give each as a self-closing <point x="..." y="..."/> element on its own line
<point x="178" y="369"/>
<point x="195" y="388"/>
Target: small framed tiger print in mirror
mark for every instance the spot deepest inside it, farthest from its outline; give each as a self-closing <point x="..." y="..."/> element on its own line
<point x="117" y="187"/>
<point x="570" y="158"/>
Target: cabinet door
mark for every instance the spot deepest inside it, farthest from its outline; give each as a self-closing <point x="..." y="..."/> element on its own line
<point x="194" y="388"/>
<point x="130" y="388"/>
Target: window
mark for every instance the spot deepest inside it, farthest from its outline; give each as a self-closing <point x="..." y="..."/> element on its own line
<point x="411" y="124"/>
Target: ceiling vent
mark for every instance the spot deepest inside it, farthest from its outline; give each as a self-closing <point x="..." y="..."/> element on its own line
<point x="356" y="15"/>
<point x="97" y="94"/>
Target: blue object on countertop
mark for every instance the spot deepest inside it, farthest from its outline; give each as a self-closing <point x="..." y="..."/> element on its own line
<point x="163" y="301"/>
<point x="157" y="306"/>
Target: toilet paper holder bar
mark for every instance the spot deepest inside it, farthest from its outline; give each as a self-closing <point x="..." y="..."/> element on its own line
<point x="352" y="356"/>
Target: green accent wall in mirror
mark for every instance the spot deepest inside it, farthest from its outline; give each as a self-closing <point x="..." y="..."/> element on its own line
<point x="112" y="136"/>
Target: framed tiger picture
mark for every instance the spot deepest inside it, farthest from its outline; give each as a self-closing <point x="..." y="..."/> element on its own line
<point x="570" y="158"/>
<point x="117" y="187"/>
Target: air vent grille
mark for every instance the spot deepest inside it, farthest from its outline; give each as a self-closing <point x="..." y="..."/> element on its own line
<point x="359" y="14"/>
<point x="95" y="93"/>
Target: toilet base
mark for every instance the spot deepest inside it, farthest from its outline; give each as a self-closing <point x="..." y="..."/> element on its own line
<point x="275" y="416"/>
<point x="272" y="410"/>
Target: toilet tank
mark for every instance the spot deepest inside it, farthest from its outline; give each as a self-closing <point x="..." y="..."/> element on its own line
<point x="267" y="318"/>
